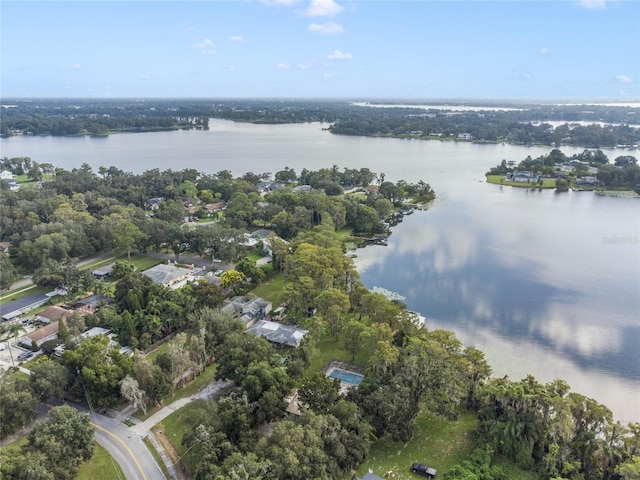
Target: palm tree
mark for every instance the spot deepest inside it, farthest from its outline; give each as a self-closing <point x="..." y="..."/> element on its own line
<point x="14" y="329"/>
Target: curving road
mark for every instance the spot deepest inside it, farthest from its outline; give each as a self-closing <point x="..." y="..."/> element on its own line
<point x="127" y="449"/>
<point x="124" y="445"/>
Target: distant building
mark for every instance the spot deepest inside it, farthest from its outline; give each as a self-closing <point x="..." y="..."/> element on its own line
<point x="465" y="136"/>
<point x="103" y="273"/>
<point x="6" y="175"/>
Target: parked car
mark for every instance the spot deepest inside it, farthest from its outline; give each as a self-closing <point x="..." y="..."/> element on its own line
<point x="25" y="355"/>
<point x="422" y="469"/>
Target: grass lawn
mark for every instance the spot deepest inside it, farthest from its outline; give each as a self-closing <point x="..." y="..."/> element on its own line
<point x="101" y="467"/>
<point x="205" y="378"/>
<point x="23" y="292"/>
<point x="332" y="349"/>
<point x="344" y="233"/>
<point x="142" y="262"/>
<point x="174" y="427"/>
<point x="255" y="255"/>
<point x="439" y="443"/>
<point x="497" y="179"/>
<point x="271" y="290"/>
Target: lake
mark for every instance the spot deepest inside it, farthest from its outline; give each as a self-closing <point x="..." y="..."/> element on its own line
<point x="544" y="283"/>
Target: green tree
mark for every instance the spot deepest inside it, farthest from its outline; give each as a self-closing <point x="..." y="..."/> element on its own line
<point x="17" y="403"/>
<point x="48" y="379"/>
<point x="319" y="392"/>
<point x="66" y="439"/>
<point x="7" y="272"/>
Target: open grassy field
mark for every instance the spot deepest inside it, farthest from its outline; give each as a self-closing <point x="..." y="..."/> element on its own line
<point x="498" y="180"/>
<point x="271" y="290"/>
<point x="439" y="443"/>
<point x="101" y="467"/>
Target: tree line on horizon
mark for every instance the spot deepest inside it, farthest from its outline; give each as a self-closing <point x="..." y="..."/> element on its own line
<point x="521" y="123"/>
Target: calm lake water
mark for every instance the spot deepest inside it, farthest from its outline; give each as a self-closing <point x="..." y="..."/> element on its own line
<point x="543" y="283"/>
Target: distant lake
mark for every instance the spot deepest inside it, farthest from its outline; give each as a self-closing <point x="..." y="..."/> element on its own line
<point x="542" y="282"/>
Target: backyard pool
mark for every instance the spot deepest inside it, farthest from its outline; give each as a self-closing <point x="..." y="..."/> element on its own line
<point x="346" y="377"/>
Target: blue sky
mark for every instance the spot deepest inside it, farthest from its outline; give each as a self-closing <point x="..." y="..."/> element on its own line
<point x="503" y="50"/>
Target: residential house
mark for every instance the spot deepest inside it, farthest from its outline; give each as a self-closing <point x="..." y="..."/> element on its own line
<point x="4" y="247"/>
<point x="465" y="136"/>
<point x="293" y="403"/>
<point x="41" y="335"/>
<point x="372" y="190"/>
<point x="248" y="310"/>
<point x="92" y="303"/>
<point x="302" y="188"/>
<point x="154" y="203"/>
<point x="170" y="276"/>
<point x="278" y="334"/>
<point x="103" y="273"/>
<point x="15" y="308"/>
<point x="215" y="207"/>
<point x="6" y="175"/>
<point x="252" y="239"/>
<point x="51" y="315"/>
<point x="522" y="176"/>
<point x="94" y="332"/>
<point x="586" y="181"/>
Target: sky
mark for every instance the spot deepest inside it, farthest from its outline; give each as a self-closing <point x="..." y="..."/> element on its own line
<point x="369" y="49"/>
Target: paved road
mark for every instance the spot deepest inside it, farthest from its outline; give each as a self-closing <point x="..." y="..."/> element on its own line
<point x="206" y="393"/>
<point x="125" y="446"/>
<point x="26" y="281"/>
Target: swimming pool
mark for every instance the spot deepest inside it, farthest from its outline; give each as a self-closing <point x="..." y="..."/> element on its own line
<point x="347" y="377"/>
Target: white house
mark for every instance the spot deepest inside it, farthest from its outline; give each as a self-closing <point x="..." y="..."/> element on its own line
<point x="6" y="175"/>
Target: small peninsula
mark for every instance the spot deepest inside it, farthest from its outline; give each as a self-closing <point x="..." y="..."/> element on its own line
<point x="589" y="170"/>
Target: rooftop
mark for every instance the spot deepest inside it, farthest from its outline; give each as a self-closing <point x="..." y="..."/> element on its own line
<point x="278" y="333"/>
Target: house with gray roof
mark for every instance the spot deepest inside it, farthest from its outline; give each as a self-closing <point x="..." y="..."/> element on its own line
<point x="170" y="276"/>
<point x="248" y="310"/>
<point x="23" y="305"/>
<point x="277" y="333"/>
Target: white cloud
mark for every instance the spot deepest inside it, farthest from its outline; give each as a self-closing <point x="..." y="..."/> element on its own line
<point x="329" y="28"/>
<point x="526" y="76"/>
<point x="76" y="66"/>
<point x="593" y="4"/>
<point x="283" y="65"/>
<point x="339" y="55"/>
<point x="623" y="79"/>
<point x="304" y="65"/>
<point x="326" y="75"/>
<point x="231" y="68"/>
<point x="236" y="38"/>
<point x="544" y="51"/>
<point x="322" y="8"/>
<point x="206" y="43"/>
